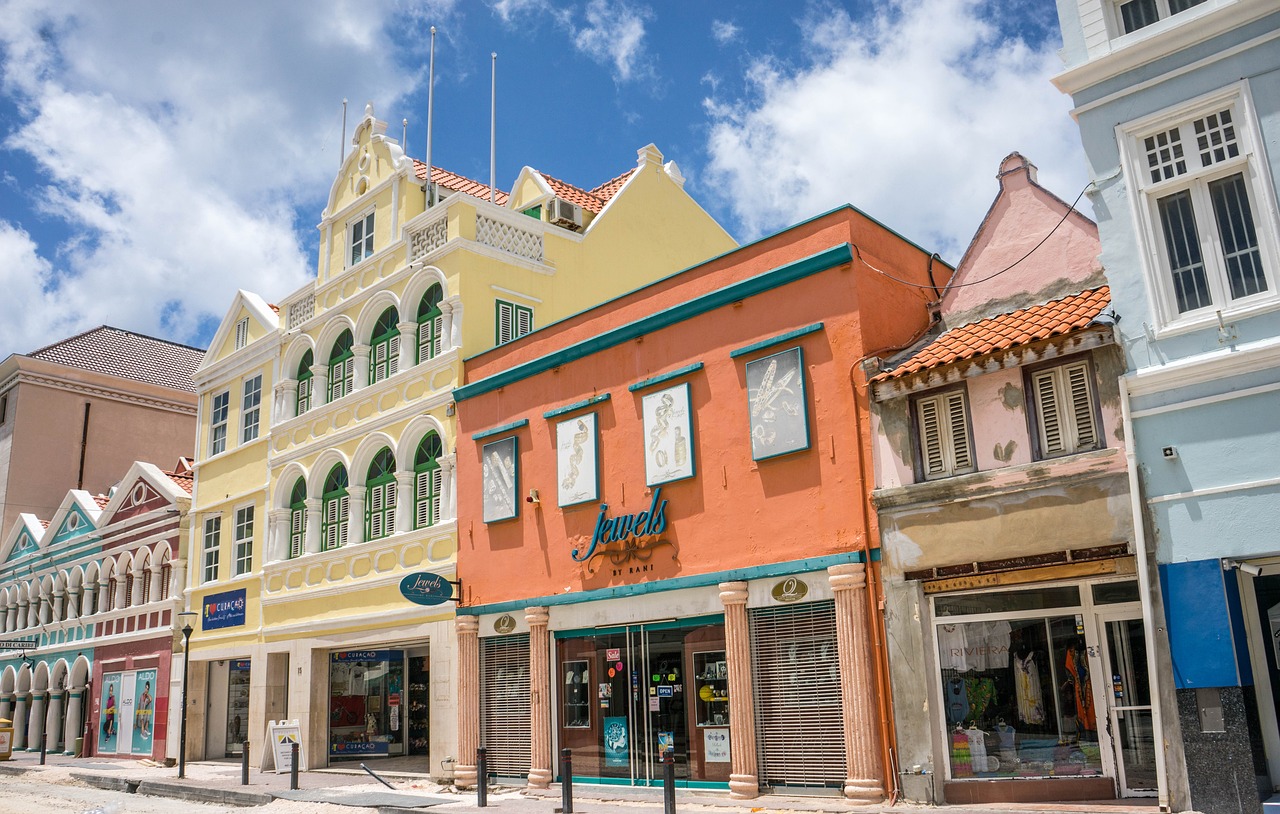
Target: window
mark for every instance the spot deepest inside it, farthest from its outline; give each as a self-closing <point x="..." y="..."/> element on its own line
<point x="942" y="424"/>
<point x="218" y="422"/>
<point x="384" y="355"/>
<point x="244" y="540"/>
<point x="298" y="519"/>
<point x="514" y="321"/>
<point x="1202" y="197"/>
<point x="1135" y="14"/>
<point x="4" y="408"/>
<point x="428" y="482"/>
<point x="250" y="409"/>
<point x="430" y="324"/>
<point x="341" y="367"/>
<point x="242" y="333"/>
<point x="212" y="538"/>
<point x="361" y="239"/>
<point x="380" y="501"/>
<point x="305" y="382"/>
<point x="1064" y="408"/>
<point x="335" y="508"/>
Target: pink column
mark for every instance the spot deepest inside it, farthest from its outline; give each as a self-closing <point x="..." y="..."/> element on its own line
<point x="743" y="780"/>
<point x="540" y="773"/>
<point x="857" y="685"/>
<point x="468" y="630"/>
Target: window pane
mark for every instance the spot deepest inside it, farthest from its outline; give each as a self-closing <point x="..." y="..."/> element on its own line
<point x="1004" y="601"/>
<point x="1138" y="14"/>
<point x="1176" y="6"/>
<point x="1231" y="209"/>
<point x="1109" y="593"/>
<point x="1182" y="241"/>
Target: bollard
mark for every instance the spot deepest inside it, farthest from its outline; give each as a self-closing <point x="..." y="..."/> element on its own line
<point x="44" y="747"/>
<point x="244" y="764"/>
<point x="293" y="766"/>
<point x="482" y="779"/>
<point x="566" y="781"/>
<point x="669" y="782"/>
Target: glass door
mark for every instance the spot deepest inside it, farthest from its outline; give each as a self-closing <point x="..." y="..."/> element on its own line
<point x="1130" y="721"/>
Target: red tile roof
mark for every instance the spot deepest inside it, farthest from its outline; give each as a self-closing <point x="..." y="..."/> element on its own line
<point x="592" y="201"/>
<point x="186" y="481"/>
<point x="127" y="355"/>
<point x="608" y="189"/>
<point x="458" y="183"/>
<point x="1006" y="331"/>
<point x="101" y="500"/>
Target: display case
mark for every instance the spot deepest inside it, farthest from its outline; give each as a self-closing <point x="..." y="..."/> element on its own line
<point x="711" y="702"/>
<point x="575" y="697"/>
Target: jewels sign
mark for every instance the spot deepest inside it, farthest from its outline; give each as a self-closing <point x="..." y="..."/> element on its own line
<point x="426" y="588"/>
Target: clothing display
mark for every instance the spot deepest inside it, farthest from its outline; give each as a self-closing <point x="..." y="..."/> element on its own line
<point x="981" y="693"/>
<point x="957" y="701"/>
<point x="1027" y="687"/>
<point x="1078" y="669"/>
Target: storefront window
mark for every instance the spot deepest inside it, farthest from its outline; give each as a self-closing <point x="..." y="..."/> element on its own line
<point x="366" y="710"/>
<point x="237" y="706"/>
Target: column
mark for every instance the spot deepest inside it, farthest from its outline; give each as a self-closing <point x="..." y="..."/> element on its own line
<point x="36" y="732"/>
<point x="857" y="685"/>
<point x="404" y="501"/>
<point x="6" y="704"/>
<point x="311" y="535"/>
<point x="278" y="535"/>
<point x="744" y="783"/>
<point x="447" y="322"/>
<point x="468" y="630"/>
<point x="287" y="400"/>
<point x="540" y="771"/>
<point x="156" y="586"/>
<point x="319" y="385"/>
<point x="408" y="344"/>
<point x="449" y="500"/>
<point x="74" y="724"/>
<point x="20" y="721"/>
<point x="361" y="378"/>
<point x="355" y="515"/>
<point x="53" y="720"/>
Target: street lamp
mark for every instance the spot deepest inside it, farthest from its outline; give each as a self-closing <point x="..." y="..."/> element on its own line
<point x="186" y="617"/>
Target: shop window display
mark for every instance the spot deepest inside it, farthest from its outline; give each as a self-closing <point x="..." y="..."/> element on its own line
<point x="1018" y="697"/>
<point x="366" y="713"/>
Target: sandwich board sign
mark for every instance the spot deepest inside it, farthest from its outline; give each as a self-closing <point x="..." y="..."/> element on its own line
<point x="283" y="734"/>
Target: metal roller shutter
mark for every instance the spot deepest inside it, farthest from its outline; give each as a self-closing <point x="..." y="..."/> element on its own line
<point x="796" y="672"/>
<point x="504" y="699"/>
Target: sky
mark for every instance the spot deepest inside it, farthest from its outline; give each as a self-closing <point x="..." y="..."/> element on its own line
<point x="157" y="156"/>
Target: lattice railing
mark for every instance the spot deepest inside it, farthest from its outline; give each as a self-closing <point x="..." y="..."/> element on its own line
<point x="301" y="310"/>
<point x="508" y="238"/>
<point x="428" y="239"/>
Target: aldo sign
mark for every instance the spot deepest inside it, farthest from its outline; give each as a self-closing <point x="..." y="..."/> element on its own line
<point x="611" y="529"/>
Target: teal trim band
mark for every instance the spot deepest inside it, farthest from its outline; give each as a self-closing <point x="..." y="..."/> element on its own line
<point x="839" y="255"/>
<point x="514" y="425"/>
<point x="764" y="343"/>
<point x="577" y="405"/>
<point x="666" y="377"/>
<point x="782" y="569"/>
<point x="692" y="621"/>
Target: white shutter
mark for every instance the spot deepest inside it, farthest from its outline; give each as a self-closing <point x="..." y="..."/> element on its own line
<point x="1081" y="394"/>
<point x="1049" y="417"/>
<point x="931" y="452"/>
<point x="961" y="456"/>
<point x="505" y="320"/>
<point x="524" y="321"/>
<point x="504" y="705"/>
<point x="393" y="355"/>
<point x="437" y="335"/>
<point x="344" y="514"/>
<point x="379" y="362"/>
<point x="391" y="496"/>
<point x="794" y="667"/>
<point x="437" y="489"/>
<point x="297" y="532"/>
<point x="304" y="395"/>
<point x="422" y="501"/>
<point x="331" y="524"/>
<point x="377" y="495"/>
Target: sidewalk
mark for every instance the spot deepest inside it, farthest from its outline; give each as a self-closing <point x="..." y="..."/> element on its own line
<point x="219" y="782"/>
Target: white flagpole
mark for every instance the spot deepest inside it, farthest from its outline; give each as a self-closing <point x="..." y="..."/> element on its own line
<point x="431" y="88"/>
<point x="493" y="128"/>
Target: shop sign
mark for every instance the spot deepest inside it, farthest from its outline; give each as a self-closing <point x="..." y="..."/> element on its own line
<point x="504" y="624"/>
<point x="223" y="610"/>
<point x="283" y="735"/>
<point x="649" y="523"/>
<point x="358" y="748"/>
<point x="426" y="588"/>
<point x="240" y="665"/>
<point x="366" y="655"/>
<point x="18" y="644"/>
<point x="790" y="590"/>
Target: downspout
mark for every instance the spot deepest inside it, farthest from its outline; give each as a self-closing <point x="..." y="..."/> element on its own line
<point x="1145" y="587"/>
<point x="84" y="445"/>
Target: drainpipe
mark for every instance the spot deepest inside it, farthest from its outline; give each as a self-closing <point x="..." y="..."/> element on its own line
<point x="1145" y="588"/>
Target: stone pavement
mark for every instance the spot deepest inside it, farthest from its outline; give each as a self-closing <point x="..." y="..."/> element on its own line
<point x="348" y="785"/>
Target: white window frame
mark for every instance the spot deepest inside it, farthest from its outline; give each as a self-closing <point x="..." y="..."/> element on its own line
<point x="243" y="550"/>
<point x="1115" y="20"/>
<point x="943" y="434"/>
<point x="363" y="227"/>
<point x="210" y="549"/>
<point x="1145" y="196"/>
<point x="251" y="408"/>
<point x="1068" y="421"/>
<point x="219" y="417"/>
<point x="242" y="333"/>
<point x="519" y="321"/>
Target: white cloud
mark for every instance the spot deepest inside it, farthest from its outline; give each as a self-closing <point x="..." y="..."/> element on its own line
<point x="724" y="31"/>
<point x="614" y="34"/>
<point x="906" y="115"/>
<point x="23" y="278"/>
<point x="175" y="141"/>
<point x="510" y="9"/>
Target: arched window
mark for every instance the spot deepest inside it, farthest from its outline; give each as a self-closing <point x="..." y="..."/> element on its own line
<point x="305" y="382"/>
<point x="337" y="505"/>
<point x="297" y="519"/>
<point x="428" y="482"/>
<point x="430" y="324"/>
<point x="384" y="352"/>
<point x="380" y="503"/>
<point x="341" y="367"/>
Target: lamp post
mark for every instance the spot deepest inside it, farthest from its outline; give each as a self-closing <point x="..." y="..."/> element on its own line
<point x="186" y="617"/>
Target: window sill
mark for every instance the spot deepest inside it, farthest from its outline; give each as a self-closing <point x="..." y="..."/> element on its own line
<point x="1202" y="322"/>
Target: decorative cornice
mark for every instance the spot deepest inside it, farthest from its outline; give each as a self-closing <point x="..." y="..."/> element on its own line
<point x="25" y="377"/>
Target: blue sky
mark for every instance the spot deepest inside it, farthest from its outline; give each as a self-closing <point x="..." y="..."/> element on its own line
<point x="157" y="156"/>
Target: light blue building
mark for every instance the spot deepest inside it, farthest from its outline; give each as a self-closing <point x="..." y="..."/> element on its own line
<point x="1178" y="103"/>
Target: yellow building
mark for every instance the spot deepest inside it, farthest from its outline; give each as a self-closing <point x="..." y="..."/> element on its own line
<point x="325" y="469"/>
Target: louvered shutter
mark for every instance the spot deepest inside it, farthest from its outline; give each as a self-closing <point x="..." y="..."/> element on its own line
<point x="297" y="532"/>
<point x="504" y="704"/>
<point x="393" y="355"/>
<point x="331" y="524"/>
<point x="304" y="396"/>
<point x="377" y="496"/>
<point x="505" y="322"/>
<point x="344" y="513"/>
<point x="437" y="489"/>
<point x="378" y="368"/>
<point x="422" y="501"/>
<point x="796" y="676"/>
<point x="1082" y="417"/>
<point x="958" y="431"/>
<point x="1049" y="416"/>
<point x="931" y="452"/>
<point x="437" y="335"/>
<point x="524" y="321"/>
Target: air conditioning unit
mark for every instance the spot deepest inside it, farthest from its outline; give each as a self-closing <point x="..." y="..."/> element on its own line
<point x="563" y="213"/>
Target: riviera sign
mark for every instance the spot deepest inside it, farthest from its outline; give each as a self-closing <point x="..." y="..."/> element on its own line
<point x="426" y="588"/>
<point x="611" y="529"/>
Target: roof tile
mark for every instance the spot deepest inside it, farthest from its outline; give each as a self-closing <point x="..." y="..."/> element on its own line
<point x="128" y="355"/>
<point x="458" y="183"/>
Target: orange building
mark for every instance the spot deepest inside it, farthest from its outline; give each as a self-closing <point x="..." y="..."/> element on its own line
<point x="664" y="534"/>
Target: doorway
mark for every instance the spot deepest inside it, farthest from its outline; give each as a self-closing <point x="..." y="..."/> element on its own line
<point x="629" y="695"/>
<point x="1130" y="719"/>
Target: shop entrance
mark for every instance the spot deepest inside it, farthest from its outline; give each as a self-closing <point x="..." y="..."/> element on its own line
<point x="629" y="694"/>
<point x="1129" y="715"/>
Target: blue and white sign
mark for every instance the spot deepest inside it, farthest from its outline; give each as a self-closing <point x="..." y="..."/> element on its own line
<point x="426" y="588"/>
<point x="223" y="610"/>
